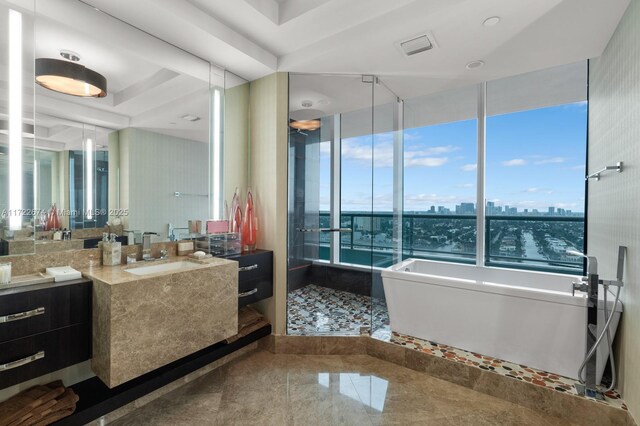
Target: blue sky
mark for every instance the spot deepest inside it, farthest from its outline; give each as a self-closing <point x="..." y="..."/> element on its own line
<point x="535" y="159"/>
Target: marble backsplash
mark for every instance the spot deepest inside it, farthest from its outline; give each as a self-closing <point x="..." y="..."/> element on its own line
<point x="77" y="259"/>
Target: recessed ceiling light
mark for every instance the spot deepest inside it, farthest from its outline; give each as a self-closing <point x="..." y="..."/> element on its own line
<point x="307" y="104"/>
<point x="190" y="117"/>
<point x="475" y="65"/>
<point x="491" y="22"/>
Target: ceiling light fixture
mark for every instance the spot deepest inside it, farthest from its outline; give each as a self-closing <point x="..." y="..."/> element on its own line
<point x="491" y="22"/>
<point x="69" y="77"/>
<point x="305" y="124"/>
<point x="474" y="65"/>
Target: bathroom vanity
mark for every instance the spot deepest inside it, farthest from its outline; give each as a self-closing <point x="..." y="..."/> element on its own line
<point x="43" y="328"/>
<point x="152" y="313"/>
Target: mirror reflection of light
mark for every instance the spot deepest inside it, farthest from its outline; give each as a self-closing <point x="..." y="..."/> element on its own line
<point x="88" y="155"/>
<point x="369" y="390"/>
<point x="217" y="162"/>
<point x="15" y="119"/>
<point x="35" y="185"/>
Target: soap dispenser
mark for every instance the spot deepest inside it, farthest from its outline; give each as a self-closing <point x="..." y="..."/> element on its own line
<point x="111" y="250"/>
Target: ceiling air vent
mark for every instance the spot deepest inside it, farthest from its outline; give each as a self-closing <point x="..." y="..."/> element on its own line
<point x="417" y="44"/>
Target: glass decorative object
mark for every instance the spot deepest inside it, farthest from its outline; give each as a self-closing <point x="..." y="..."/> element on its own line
<point x="250" y="225"/>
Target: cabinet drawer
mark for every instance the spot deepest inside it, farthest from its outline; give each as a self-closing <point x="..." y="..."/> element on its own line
<point x="30" y="357"/>
<point x="254" y="290"/>
<point x="30" y="312"/>
<point x="254" y="266"/>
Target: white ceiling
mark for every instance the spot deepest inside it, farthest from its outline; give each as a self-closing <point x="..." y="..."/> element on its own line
<point x="151" y="83"/>
<point x="256" y="37"/>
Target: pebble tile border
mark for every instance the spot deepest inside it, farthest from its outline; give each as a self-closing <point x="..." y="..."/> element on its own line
<point x="504" y="368"/>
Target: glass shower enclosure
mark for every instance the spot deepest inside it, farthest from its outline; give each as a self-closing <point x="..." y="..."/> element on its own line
<point x="345" y="171"/>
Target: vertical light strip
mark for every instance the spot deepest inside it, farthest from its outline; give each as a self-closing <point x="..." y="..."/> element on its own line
<point x="480" y="201"/>
<point x="88" y="185"/>
<point x="15" y="119"/>
<point x="217" y="157"/>
<point x="35" y="185"/>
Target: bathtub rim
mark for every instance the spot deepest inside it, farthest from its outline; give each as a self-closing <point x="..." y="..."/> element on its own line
<point x="552" y="296"/>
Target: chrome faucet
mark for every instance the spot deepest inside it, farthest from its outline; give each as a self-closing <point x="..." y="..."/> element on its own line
<point x="592" y="262"/>
<point x="146" y="245"/>
<point x="590" y="285"/>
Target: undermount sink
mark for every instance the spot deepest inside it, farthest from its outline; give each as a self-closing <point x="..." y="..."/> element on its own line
<point x="163" y="267"/>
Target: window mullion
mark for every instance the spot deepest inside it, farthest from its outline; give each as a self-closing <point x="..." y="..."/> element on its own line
<point x="480" y="189"/>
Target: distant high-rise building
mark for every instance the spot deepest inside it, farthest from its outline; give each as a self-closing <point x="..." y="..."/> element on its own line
<point x="552" y="210"/>
<point x="466" y="208"/>
<point x="491" y="208"/>
<point x="526" y="210"/>
<point x="432" y="209"/>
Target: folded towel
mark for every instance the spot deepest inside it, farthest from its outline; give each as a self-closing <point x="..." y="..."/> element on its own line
<point x="17" y="407"/>
<point x="40" y="405"/>
<point x="247" y="316"/>
<point x="36" y="413"/>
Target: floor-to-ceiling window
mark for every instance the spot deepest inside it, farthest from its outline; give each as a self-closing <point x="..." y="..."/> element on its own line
<point x="440" y="184"/>
<point x="536" y="133"/>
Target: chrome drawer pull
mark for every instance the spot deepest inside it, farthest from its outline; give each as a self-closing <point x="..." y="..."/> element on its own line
<point x="247" y="268"/>
<point x="21" y="362"/>
<point x="22" y="315"/>
<point x="247" y="293"/>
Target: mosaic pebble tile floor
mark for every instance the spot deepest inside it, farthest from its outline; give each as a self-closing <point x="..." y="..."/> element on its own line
<point x="315" y="310"/>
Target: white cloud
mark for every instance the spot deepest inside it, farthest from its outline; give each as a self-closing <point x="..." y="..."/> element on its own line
<point x="469" y="167"/>
<point x="538" y="191"/>
<point x="383" y="154"/>
<point x="425" y="162"/>
<point x="466" y="185"/>
<point x="551" y="160"/>
<point x="514" y="162"/>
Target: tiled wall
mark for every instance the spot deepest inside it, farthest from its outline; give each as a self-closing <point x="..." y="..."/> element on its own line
<point x="614" y="201"/>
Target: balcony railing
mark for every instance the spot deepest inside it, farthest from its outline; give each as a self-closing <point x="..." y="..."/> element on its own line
<point x="522" y="242"/>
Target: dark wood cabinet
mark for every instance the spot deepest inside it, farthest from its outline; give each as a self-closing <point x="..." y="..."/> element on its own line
<point x="255" y="276"/>
<point x="43" y="328"/>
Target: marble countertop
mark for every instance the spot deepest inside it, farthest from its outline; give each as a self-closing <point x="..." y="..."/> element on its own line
<point x="118" y="274"/>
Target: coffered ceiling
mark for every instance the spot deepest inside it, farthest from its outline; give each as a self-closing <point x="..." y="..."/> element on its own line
<point x="256" y="37"/>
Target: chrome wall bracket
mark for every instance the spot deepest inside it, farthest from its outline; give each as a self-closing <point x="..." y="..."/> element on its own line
<point x="596" y="175"/>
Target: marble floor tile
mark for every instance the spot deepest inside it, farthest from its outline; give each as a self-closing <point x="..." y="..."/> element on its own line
<point x="262" y="388"/>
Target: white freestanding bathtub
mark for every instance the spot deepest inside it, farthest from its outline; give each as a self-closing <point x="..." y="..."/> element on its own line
<point x="529" y="318"/>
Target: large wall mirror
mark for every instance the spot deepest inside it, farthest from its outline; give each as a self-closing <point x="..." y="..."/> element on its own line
<point x="149" y="156"/>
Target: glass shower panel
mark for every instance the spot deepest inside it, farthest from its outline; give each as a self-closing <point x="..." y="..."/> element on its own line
<point x="386" y="190"/>
<point x="330" y="154"/>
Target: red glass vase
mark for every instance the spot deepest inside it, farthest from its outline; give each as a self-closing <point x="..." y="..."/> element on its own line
<point x="249" y="225"/>
<point x="53" y="222"/>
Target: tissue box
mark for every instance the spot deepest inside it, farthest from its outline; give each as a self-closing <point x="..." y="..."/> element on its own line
<point x="63" y="273"/>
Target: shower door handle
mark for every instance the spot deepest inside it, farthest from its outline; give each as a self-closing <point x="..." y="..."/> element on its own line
<point x="324" y="230"/>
